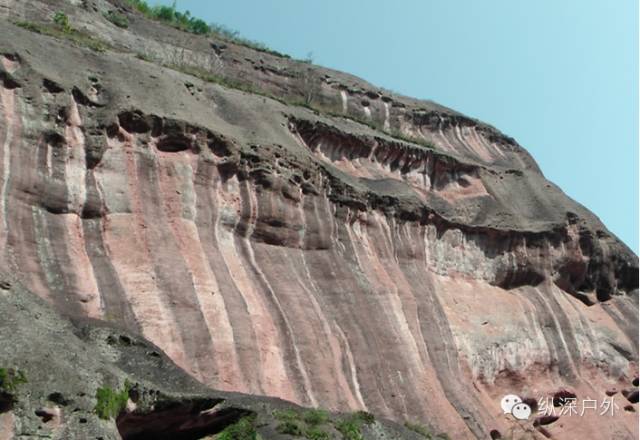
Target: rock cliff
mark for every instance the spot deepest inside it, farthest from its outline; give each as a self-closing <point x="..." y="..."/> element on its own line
<point x="286" y="230"/>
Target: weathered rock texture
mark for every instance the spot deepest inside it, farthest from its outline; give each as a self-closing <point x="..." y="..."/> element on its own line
<point x="66" y="361"/>
<point x="276" y="250"/>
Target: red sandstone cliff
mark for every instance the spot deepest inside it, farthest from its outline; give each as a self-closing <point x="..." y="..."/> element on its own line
<point x="278" y="250"/>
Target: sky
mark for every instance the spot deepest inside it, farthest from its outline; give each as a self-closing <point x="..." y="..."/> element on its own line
<point x="560" y="76"/>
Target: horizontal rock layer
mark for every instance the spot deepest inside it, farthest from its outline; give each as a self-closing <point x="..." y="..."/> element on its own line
<point x="269" y="249"/>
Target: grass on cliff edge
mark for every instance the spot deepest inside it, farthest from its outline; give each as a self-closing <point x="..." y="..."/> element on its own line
<point x="184" y="21"/>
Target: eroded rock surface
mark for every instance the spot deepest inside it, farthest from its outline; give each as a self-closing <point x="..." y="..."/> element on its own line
<point x="275" y="250"/>
<point x="66" y="361"/>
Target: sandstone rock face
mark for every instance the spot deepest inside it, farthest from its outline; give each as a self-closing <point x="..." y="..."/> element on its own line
<point x="275" y="250"/>
<point x="65" y="361"/>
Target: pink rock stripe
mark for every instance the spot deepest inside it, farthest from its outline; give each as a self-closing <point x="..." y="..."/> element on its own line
<point x="75" y="176"/>
<point x="176" y="184"/>
<point x="10" y="124"/>
<point x="273" y="377"/>
<point x="126" y="243"/>
<point x="407" y="311"/>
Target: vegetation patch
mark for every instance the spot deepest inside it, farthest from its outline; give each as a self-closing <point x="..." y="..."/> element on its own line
<point x="111" y="402"/>
<point x="316" y="433"/>
<point x="350" y="429"/>
<point x="351" y="426"/>
<point x="11" y="378"/>
<point x="286" y="414"/>
<point x="207" y="76"/>
<point x="118" y="19"/>
<point x="315" y="417"/>
<point x="291" y="427"/>
<point x="303" y="423"/>
<point x="62" y="29"/>
<point x="416" y="427"/>
<point x="186" y="22"/>
<point x="61" y="19"/>
<point x="243" y="429"/>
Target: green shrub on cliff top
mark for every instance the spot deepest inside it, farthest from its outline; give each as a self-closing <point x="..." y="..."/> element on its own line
<point x="188" y="23"/>
<point x="351" y="426"/>
<point x="243" y="429"/>
<point x="169" y="15"/>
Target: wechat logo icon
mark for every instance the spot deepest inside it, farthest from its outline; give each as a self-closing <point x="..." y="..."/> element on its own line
<point x="512" y="404"/>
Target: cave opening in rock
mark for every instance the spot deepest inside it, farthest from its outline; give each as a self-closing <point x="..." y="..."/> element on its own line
<point x="184" y="420"/>
<point x="562" y="397"/>
<point x="174" y="143"/>
<point x="6" y="402"/>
